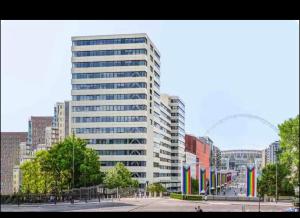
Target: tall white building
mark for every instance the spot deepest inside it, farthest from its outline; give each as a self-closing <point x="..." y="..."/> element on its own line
<point x="117" y="107"/>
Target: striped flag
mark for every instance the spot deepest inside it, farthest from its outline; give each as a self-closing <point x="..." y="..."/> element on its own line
<point x="186" y="180"/>
<point x="251" y="183"/>
<point x="202" y="180"/>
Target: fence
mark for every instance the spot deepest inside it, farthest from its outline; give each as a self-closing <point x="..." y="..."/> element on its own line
<point x="98" y="192"/>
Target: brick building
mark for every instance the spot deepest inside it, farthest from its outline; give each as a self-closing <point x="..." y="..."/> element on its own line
<point x="201" y="149"/>
<point x="36" y="129"/>
<point x="10" y="146"/>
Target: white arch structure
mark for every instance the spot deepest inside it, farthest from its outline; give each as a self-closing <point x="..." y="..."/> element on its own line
<point x="262" y="120"/>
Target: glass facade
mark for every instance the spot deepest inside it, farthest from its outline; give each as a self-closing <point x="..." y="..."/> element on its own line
<point x="126" y="163"/>
<point x="110" y="130"/>
<point x="116" y="141"/>
<point x="109" y="52"/>
<point x="121" y="152"/>
<point x="108" y="97"/>
<point x="109" y="108"/>
<point x="110" y="63"/>
<point x="109" y="119"/>
<point x="109" y="86"/>
<point x="95" y="75"/>
<point x="109" y="41"/>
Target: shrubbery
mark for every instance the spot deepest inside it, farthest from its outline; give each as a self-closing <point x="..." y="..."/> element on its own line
<point x="186" y="197"/>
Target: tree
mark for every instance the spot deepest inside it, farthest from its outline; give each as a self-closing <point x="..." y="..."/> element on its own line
<point x="52" y="171"/>
<point x="34" y="179"/>
<point x="289" y="145"/>
<point x="119" y="176"/>
<point x="267" y="181"/>
<point x="195" y="186"/>
<point x="156" y="187"/>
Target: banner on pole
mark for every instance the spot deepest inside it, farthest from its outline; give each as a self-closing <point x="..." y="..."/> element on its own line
<point x="202" y="180"/>
<point x="251" y="183"/>
<point x="186" y="181"/>
<point x="212" y="179"/>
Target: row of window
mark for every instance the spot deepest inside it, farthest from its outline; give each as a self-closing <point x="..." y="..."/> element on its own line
<point x="156" y="64"/>
<point x="109" y="119"/>
<point x="116" y="141"/>
<point x="156" y="84"/>
<point x="109" y="74"/>
<point x="126" y="163"/>
<point x="156" y="54"/>
<point x="121" y="152"/>
<point x="110" y="41"/>
<point x="111" y="130"/>
<point x="110" y="63"/>
<point x="109" y="108"/>
<point x="177" y="101"/>
<point x="164" y="107"/>
<point x="109" y="86"/>
<point x="156" y="74"/>
<point x="109" y="52"/>
<point x="177" y="108"/>
<point x="108" y="97"/>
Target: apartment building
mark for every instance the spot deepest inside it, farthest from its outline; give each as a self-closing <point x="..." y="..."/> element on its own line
<point x="10" y="150"/>
<point x="61" y="120"/>
<point x="36" y="130"/>
<point x="117" y="106"/>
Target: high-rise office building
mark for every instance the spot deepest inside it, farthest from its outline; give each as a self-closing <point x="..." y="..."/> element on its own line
<point x="117" y="107"/>
<point x="10" y="150"/>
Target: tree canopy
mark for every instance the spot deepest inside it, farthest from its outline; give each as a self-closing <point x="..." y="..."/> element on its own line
<point x="119" y="176"/>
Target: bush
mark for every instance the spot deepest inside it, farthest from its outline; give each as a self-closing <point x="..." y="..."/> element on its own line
<point x="176" y="196"/>
<point x="186" y="197"/>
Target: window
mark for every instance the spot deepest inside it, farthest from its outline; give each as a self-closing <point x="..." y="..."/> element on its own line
<point x="109" y="41"/>
<point x="109" y="74"/>
<point x="121" y="152"/>
<point x="108" y="97"/>
<point x="109" y="119"/>
<point x="109" y="52"/>
<point x="109" y="86"/>
<point x="151" y="58"/>
<point x="110" y="63"/>
<point x="151" y="68"/>
<point x="111" y="130"/>
<point x="156" y="64"/>
<point x="151" y="47"/>
<point x="109" y="108"/>
<point x="156" y="54"/>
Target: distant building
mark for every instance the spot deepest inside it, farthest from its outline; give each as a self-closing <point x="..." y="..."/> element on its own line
<point x="191" y="159"/>
<point x="51" y="136"/>
<point x="10" y="142"/>
<point x="272" y="156"/>
<point x="36" y="129"/>
<point x="239" y="159"/>
<point x="61" y="119"/>
<point x="201" y="148"/>
<point x="215" y="160"/>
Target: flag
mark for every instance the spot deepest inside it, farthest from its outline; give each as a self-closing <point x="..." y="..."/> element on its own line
<point x="186" y="180"/>
<point x="202" y="180"/>
<point x="251" y="181"/>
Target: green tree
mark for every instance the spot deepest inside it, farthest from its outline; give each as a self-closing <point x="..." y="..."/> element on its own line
<point x="34" y="179"/>
<point x="119" y="176"/>
<point x="156" y="187"/>
<point x="267" y="181"/>
<point x="289" y="146"/>
<point x="195" y="186"/>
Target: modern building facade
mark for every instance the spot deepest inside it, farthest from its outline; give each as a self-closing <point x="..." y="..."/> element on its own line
<point x="272" y="152"/>
<point x="36" y="129"/>
<point x="239" y="159"/>
<point x="51" y="136"/>
<point x="202" y="150"/>
<point x="10" y="150"/>
<point x="117" y="107"/>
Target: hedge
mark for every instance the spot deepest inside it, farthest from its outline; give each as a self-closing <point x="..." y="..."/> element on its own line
<point x="186" y="197"/>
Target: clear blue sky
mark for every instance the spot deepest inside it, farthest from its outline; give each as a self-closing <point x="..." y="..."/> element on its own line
<point x="218" y="68"/>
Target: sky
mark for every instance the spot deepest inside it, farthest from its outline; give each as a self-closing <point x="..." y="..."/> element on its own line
<point x="218" y="68"/>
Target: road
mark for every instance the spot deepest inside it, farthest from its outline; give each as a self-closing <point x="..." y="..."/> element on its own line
<point x="151" y="204"/>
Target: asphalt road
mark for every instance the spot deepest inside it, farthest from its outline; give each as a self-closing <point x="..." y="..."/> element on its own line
<point x="151" y="204"/>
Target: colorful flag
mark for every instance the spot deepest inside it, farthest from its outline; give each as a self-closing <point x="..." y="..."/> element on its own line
<point x="212" y="179"/>
<point x="186" y="180"/>
<point x="251" y="183"/>
<point x="202" y="180"/>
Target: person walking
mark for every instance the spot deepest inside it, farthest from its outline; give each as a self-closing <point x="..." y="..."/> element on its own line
<point x="198" y="209"/>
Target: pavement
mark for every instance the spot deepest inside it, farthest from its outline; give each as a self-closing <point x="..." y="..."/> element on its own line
<point x="152" y="204"/>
